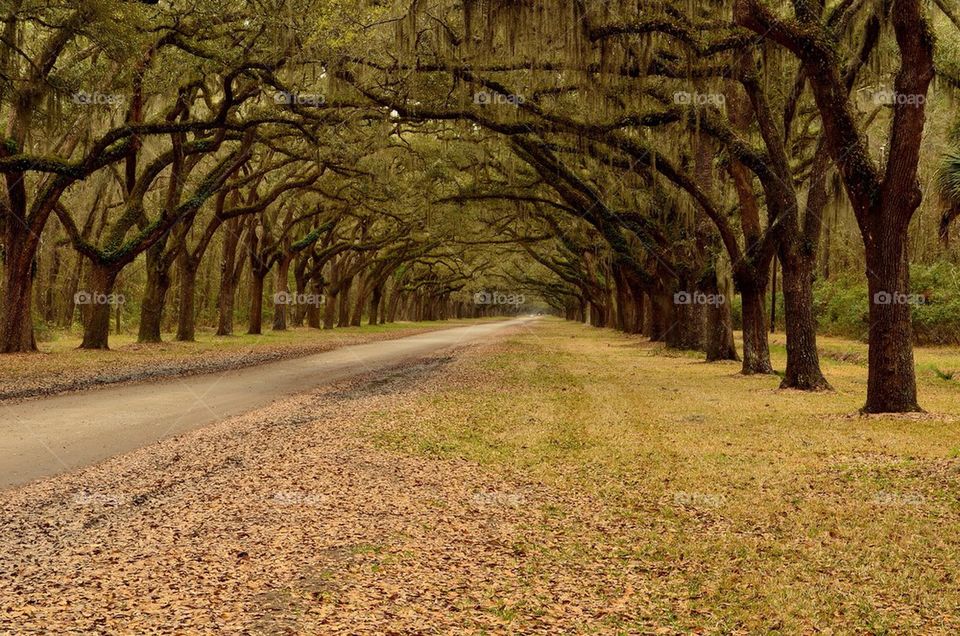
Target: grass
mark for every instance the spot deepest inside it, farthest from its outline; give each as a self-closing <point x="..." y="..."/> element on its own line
<point x="746" y="508"/>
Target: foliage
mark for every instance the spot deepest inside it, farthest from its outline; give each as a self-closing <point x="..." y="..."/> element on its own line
<point x="841" y="305"/>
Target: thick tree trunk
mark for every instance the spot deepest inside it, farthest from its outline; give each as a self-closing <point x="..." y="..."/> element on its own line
<point x="356" y="319"/>
<point x="661" y="316"/>
<point x="638" y="298"/>
<point x="256" y="302"/>
<point x="187" y="319"/>
<point x="629" y="302"/>
<point x="803" y="361"/>
<point x="313" y="309"/>
<point x="96" y="331"/>
<point x="383" y="305"/>
<point x="16" y="321"/>
<point x="376" y="297"/>
<point x="330" y="311"/>
<point x="154" y="296"/>
<point x="392" y="306"/>
<point x="598" y="314"/>
<point x="686" y="331"/>
<point x="281" y="294"/>
<point x="230" y="271"/>
<point x="300" y="309"/>
<point x="756" y="349"/>
<point x="343" y="314"/>
<point x="693" y="324"/>
<point x="719" y="337"/>
<point x="225" y="303"/>
<point x="891" y="381"/>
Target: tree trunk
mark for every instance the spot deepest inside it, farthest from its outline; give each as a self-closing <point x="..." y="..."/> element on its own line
<point x="396" y="298"/>
<point x="598" y="314"/>
<point x="638" y="311"/>
<point x="382" y="307"/>
<point x="376" y="297"/>
<point x="96" y="331"/>
<point x="803" y="361"/>
<point x="256" y="302"/>
<point x="187" y="319"/>
<point x="891" y="381"/>
<point x="154" y="296"/>
<point x="330" y="310"/>
<point x="229" y="276"/>
<point x="281" y="295"/>
<point x="313" y="309"/>
<point x="16" y="322"/>
<point x="300" y="309"/>
<point x="756" y="349"/>
<point x="361" y="301"/>
<point x="343" y="317"/>
<point x="661" y="314"/>
<point x="687" y="327"/>
<point x="225" y="302"/>
<point x="719" y="337"/>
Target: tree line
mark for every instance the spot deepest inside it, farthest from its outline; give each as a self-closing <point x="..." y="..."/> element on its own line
<point x="632" y="164"/>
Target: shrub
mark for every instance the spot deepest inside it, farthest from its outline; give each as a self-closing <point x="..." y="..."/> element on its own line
<point x="841" y="305"/>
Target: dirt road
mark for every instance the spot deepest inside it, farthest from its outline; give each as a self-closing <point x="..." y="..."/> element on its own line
<point x="46" y="437"/>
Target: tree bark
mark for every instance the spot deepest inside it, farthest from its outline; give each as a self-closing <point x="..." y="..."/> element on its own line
<point x="343" y="314"/>
<point x="96" y="331"/>
<point x="661" y="315"/>
<point x="756" y="349"/>
<point x="225" y="303"/>
<point x="300" y="280"/>
<point x="803" y="360"/>
<point x="230" y="269"/>
<point x="313" y="309"/>
<point x="256" y="302"/>
<point x="187" y="319"/>
<point x="282" y="287"/>
<point x="719" y="337"/>
<point x="330" y="310"/>
<point x="16" y="323"/>
<point x="376" y="297"/>
<point x="891" y="383"/>
<point x="154" y="296"/>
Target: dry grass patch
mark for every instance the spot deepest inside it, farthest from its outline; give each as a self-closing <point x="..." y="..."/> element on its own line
<point x="751" y="509"/>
